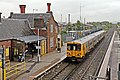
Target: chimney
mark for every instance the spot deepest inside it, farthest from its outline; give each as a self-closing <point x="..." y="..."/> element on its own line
<point x="0" y="17"/>
<point x="68" y="18"/>
<point x="11" y="14"/>
<point x="48" y="5"/>
<point x="22" y="8"/>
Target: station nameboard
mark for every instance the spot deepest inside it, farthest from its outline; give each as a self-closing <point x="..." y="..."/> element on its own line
<point x="1" y="50"/>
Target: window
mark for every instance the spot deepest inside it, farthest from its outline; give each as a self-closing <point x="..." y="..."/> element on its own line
<point x="51" y="42"/>
<point x="51" y="28"/>
<point x="74" y="47"/>
<point x="87" y="45"/>
<point x="78" y="47"/>
<point x="56" y="29"/>
<point x="36" y="23"/>
<point x="58" y="39"/>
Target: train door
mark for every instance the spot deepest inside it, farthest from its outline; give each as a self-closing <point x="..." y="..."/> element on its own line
<point x="82" y="50"/>
<point x="87" y="47"/>
<point x="93" y="42"/>
<point x="78" y="51"/>
<point x="74" y="50"/>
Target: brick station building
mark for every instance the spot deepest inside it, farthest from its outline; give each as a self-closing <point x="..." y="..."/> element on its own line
<point x="45" y="22"/>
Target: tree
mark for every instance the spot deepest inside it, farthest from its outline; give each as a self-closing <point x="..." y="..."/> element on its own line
<point x="69" y="27"/>
<point x="78" y="24"/>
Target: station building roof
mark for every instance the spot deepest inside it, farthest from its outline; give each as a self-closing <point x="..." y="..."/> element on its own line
<point x="31" y="38"/>
<point x="12" y="28"/>
<point x="17" y="29"/>
<point x="31" y="17"/>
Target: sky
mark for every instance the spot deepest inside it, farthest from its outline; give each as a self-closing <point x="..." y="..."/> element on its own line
<point x="91" y="10"/>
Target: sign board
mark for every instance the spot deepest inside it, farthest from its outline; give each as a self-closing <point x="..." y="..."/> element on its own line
<point x="7" y="51"/>
<point x="1" y="50"/>
<point x="38" y="47"/>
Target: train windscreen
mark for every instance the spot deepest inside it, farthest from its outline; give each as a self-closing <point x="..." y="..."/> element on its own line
<point x="76" y="47"/>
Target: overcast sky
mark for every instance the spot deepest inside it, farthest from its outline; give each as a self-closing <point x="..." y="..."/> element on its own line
<point x="92" y="10"/>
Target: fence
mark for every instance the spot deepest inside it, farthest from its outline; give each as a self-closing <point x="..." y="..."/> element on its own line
<point x="11" y="71"/>
<point x="15" y="70"/>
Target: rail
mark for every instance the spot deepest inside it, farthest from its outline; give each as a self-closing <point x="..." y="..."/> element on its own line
<point x="7" y="64"/>
<point x="0" y="73"/>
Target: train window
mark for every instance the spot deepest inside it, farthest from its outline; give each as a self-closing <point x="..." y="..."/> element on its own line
<point x="73" y="47"/>
<point x="69" y="47"/>
<point x="78" y="47"/>
<point x="87" y="45"/>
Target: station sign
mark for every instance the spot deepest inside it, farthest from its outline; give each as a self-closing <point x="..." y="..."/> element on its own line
<point x="38" y="47"/>
<point x="1" y="50"/>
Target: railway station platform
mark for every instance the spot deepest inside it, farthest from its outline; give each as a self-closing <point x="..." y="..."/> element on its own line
<point x="35" y="69"/>
<point x="111" y="60"/>
<point x="115" y="58"/>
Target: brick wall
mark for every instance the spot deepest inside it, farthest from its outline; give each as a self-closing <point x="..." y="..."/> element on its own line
<point x="11" y="44"/>
<point x="6" y="44"/>
<point x="53" y="34"/>
<point x="47" y="33"/>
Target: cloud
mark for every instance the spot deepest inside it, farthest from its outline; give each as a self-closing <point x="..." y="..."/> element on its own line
<point x="92" y="9"/>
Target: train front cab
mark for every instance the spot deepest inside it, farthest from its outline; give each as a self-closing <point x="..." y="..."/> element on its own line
<point x="75" y="51"/>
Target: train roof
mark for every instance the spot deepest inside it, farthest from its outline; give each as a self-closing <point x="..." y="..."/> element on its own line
<point x="88" y="37"/>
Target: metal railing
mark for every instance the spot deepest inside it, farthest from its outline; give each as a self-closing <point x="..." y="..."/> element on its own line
<point x="15" y="70"/>
<point x="7" y="64"/>
<point x="0" y="73"/>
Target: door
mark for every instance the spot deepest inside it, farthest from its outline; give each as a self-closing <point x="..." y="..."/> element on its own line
<point x="43" y="47"/>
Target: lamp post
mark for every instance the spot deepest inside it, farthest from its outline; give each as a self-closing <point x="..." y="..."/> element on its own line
<point x="38" y="55"/>
<point x="38" y="47"/>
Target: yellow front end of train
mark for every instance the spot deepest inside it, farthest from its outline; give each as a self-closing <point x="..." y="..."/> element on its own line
<point x="74" y="51"/>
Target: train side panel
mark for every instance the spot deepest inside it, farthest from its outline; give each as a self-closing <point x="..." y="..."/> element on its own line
<point x="83" y="50"/>
<point x="87" y="47"/>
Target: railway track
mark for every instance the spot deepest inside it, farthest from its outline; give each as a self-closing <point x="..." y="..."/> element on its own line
<point x="81" y="71"/>
<point x="93" y="68"/>
<point x="61" y="71"/>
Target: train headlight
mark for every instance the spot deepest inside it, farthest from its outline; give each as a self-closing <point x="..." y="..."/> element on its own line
<point x="68" y="53"/>
<point x="78" y="54"/>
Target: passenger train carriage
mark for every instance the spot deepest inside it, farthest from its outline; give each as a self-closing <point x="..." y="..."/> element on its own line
<point x="77" y="49"/>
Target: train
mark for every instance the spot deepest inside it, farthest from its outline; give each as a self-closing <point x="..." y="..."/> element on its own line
<point x="78" y="34"/>
<point x="78" y="49"/>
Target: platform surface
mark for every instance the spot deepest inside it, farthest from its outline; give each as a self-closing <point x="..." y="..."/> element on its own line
<point x="47" y="60"/>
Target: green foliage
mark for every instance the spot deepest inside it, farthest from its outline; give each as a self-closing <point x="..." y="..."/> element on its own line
<point x="118" y="23"/>
<point x="78" y="24"/>
<point x="74" y="26"/>
<point x="63" y="32"/>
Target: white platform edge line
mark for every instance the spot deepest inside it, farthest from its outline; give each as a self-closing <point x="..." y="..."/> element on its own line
<point x="61" y="59"/>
